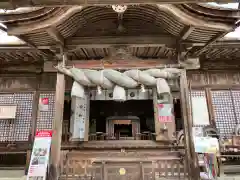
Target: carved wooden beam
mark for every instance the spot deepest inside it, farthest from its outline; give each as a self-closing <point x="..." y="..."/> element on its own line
<point x="18" y="49"/>
<point x="11" y="4"/>
<point x="110" y="41"/>
<point x="186" y="32"/>
<point x="56" y="35"/>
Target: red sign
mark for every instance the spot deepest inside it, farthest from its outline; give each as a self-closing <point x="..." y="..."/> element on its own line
<point x="45" y="101"/>
<point x="44" y="133"/>
<point x="165" y="119"/>
<point x="165" y="113"/>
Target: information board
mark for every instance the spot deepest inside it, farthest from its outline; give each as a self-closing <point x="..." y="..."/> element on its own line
<point x="40" y="156"/>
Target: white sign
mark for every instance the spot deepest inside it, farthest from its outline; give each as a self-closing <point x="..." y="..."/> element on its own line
<point x="8" y="112"/>
<point x="200" y="111"/>
<point x="43" y="104"/>
<point x="40" y="156"/>
<point x="206" y="145"/>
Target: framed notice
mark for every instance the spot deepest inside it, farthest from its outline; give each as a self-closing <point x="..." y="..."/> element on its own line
<point x="165" y="113"/>
<point x="200" y="111"/>
<point x="43" y="104"/>
<point x="40" y="156"/>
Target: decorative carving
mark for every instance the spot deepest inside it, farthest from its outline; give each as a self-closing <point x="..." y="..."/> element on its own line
<point x="120" y="53"/>
<point x="119" y="8"/>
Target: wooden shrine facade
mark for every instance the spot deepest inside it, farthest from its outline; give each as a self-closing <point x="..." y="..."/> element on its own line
<point x="142" y="36"/>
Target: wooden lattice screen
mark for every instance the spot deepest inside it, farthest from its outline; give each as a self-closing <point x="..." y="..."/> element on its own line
<point x="45" y="118"/>
<point x="19" y="128"/>
<point x="226" y="106"/>
<point x="236" y="102"/>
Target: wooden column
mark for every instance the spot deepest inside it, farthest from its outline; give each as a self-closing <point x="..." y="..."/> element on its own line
<point x="34" y="119"/>
<point x="35" y="108"/>
<point x="57" y="125"/>
<point x="192" y="161"/>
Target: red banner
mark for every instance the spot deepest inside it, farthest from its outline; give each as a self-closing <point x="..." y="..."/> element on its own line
<point x="44" y="133"/>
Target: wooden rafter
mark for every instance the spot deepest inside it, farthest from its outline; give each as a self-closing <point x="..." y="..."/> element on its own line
<point x="9" y="4"/>
<point x="209" y="43"/>
<point x="214" y="39"/>
<point x="186" y="32"/>
<point x="56" y="35"/>
<point x="22" y="38"/>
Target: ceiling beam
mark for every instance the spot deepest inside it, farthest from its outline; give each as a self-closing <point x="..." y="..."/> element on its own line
<point x="107" y="42"/>
<point x="18" y="49"/>
<point x="130" y="41"/>
<point x="10" y="4"/>
<point x="56" y="35"/>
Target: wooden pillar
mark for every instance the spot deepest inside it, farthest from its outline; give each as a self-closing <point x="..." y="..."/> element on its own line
<point x="192" y="161"/>
<point x="35" y="108"/>
<point x="57" y="125"/>
<point x="34" y="119"/>
<point x="28" y="159"/>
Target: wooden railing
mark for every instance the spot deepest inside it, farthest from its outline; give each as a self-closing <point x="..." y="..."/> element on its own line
<point x="134" y="168"/>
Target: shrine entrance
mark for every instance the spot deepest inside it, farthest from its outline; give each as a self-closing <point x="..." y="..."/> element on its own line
<point x="129" y="120"/>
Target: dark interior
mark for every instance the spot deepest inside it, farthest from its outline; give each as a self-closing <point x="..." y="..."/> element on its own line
<point x="13" y="160"/>
<point x="101" y="110"/>
<point x="123" y="130"/>
<point x="178" y="115"/>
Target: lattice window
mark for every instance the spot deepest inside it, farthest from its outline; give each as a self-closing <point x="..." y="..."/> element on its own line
<point x="19" y="128"/>
<point x="236" y="102"/>
<point x="224" y="112"/>
<point x="45" y="118"/>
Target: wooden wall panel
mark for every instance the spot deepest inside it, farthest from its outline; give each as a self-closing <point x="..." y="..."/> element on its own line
<point x="48" y="82"/>
<point x="197" y="78"/>
<point x="29" y="82"/>
<point x="17" y="82"/>
<point x="223" y="78"/>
